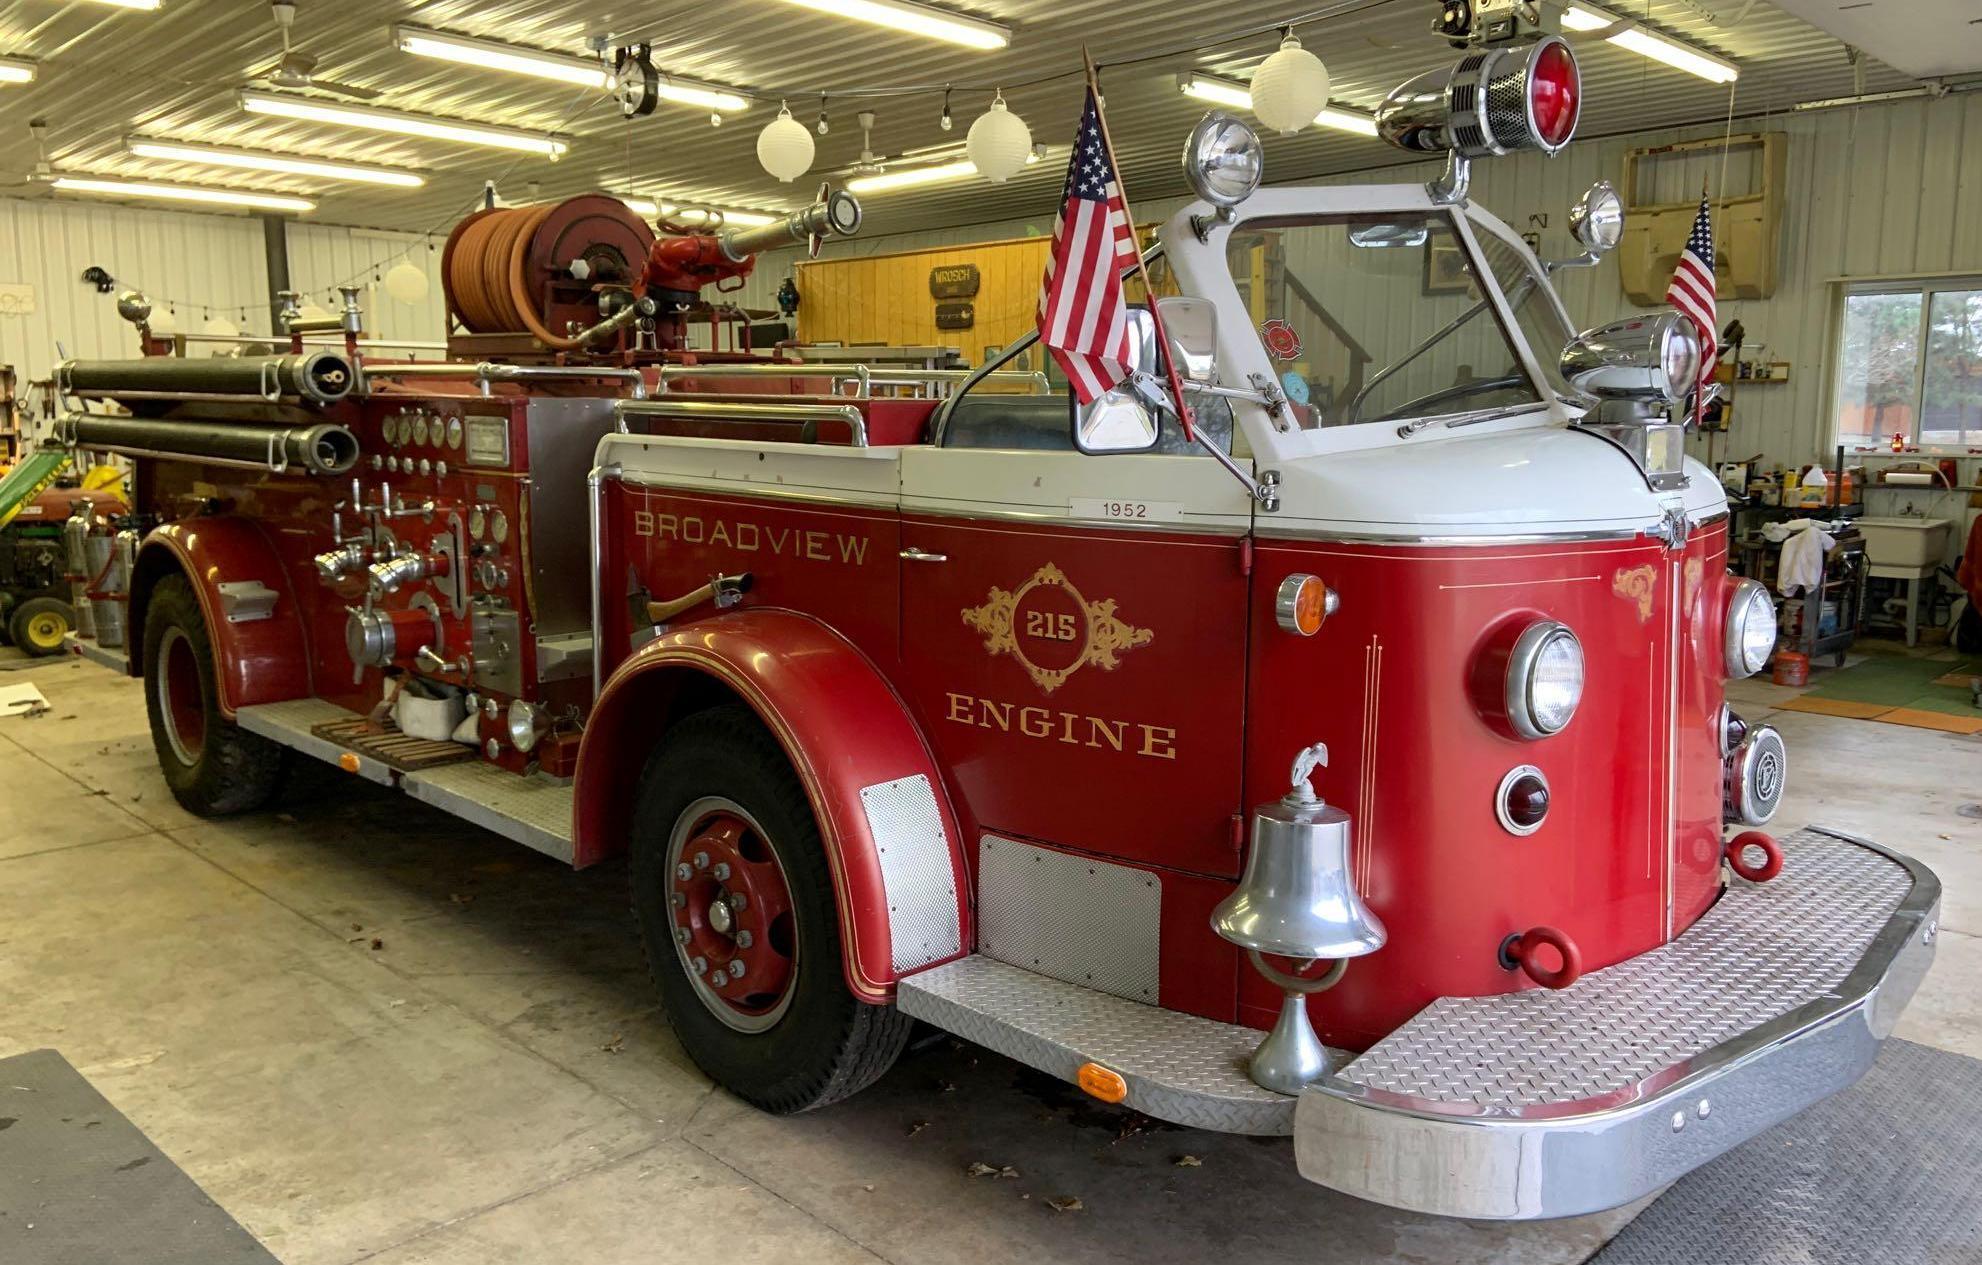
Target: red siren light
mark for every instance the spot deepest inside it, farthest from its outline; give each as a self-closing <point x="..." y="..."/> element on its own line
<point x="1495" y="101"/>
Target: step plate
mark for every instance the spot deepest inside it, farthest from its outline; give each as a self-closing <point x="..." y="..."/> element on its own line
<point x="1182" y="1068"/>
<point x="1763" y="950"/>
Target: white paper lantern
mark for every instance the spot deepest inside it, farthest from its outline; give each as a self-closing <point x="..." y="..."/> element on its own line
<point x="999" y="143"/>
<point x="313" y="312"/>
<point x="1289" y="88"/>
<point x="784" y="147"/>
<point x="220" y="327"/>
<point x="164" y="322"/>
<point x="406" y="282"/>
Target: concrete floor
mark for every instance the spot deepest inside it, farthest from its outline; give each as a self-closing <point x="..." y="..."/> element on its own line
<point x="373" y="1033"/>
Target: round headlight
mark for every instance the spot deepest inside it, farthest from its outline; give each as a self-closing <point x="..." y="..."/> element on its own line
<point x="1223" y="160"/>
<point x="526" y="724"/>
<point x="1544" y="679"/>
<point x="1751" y="629"/>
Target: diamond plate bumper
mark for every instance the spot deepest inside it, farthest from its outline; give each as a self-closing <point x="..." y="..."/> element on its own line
<point x="1544" y="1104"/>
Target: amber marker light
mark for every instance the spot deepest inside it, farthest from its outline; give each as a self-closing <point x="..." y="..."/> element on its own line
<point x="1101" y="1083"/>
<point x="1303" y="603"/>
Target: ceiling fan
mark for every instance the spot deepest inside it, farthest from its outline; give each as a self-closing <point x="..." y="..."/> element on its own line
<point x="297" y="69"/>
<point x="41" y="175"/>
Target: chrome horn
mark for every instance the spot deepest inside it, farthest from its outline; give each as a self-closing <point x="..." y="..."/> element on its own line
<point x="1298" y="900"/>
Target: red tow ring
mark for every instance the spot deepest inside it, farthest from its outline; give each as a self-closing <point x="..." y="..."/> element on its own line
<point x="1518" y="950"/>
<point x="1736" y="850"/>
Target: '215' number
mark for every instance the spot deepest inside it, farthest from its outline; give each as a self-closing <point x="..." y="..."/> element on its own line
<point x="1050" y="625"/>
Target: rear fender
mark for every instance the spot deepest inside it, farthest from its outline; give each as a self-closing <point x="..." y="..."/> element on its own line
<point x="891" y="837"/>
<point x="258" y="658"/>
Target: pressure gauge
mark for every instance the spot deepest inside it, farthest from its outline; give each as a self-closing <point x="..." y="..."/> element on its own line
<point x="420" y="429"/>
<point x="498" y="527"/>
<point x="454" y="432"/>
<point x="478" y="522"/>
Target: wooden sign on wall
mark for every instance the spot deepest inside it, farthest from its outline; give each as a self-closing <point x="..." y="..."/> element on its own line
<point x="953" y="281"/>
<point x="960" y="314"/>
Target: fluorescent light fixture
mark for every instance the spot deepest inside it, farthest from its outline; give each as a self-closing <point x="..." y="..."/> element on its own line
<point x="1588" y="17"/>
<point x="1227" y="92"/>
<point x="585" y="72"/>
<point x="131" y="4"/>
<point x="184" y="193"/>
<point x="1867" y="98"/>
<point x="312" y="110"/>
<point x="16" y="70"/>
<point x="263" y="160"/>
<point x="910" y="177"/>
<point x="917" y="19"/>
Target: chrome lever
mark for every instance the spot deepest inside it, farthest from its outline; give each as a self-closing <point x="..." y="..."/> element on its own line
<point x="912" y="554"/>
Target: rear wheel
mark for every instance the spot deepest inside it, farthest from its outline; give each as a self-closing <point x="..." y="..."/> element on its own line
<point x="38" y="625"/>
<point x="213" y="766"/>
<point x="736" y="912"/>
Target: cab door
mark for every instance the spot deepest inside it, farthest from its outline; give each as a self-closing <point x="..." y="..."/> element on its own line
<point x="1073" y="637"/>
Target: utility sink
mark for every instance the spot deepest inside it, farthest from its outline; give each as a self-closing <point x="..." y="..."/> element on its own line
<point x="1904" y="541"/>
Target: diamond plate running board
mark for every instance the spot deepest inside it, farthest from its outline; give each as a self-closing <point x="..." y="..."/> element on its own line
<point x="1544" y="1103"/>
<point x="1182" y="1068"/>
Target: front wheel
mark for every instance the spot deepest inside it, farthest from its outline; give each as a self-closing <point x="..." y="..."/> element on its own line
<point x="213" y="766"/>
<point x="734" y="901"/>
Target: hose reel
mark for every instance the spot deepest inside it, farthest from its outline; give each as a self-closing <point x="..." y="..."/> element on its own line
<point x="535" y="270"/>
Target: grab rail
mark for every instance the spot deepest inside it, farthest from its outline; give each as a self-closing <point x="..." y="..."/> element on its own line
<point x="734" y="411"/>
<point x="864" y="376"/>
<point x="488" y="372"/>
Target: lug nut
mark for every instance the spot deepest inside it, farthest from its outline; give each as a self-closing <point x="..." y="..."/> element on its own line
<point x="681" y="935"/>
<point x="721" y="871"/>
<point x="679" y="900"/>
<point x="737" y="903"/>
<point x="736" y="970"/>
<point x="744" y="939"/>
<point x="683" y="873"/>
<point x="699" y="965"/>
<point x="701" y="860"/>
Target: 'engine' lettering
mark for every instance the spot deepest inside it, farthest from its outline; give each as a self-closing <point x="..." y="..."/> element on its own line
<point x="806" y="544"/>
<point x="1156" y="742"/>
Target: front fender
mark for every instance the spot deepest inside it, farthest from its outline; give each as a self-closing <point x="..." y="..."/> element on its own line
<point x="891" y="838"/>
<point x="257" y="659"/>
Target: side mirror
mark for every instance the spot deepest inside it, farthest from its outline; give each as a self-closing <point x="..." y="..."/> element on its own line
<point x="1597" y="220"/>
<point x="1123" y="420"/>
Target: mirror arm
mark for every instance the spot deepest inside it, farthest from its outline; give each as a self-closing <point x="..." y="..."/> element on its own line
<point x="1588" y="259"/>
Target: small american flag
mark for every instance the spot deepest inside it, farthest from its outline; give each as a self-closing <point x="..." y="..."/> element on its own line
<point x="1082" y="318"/>
<point x="1692" y="289"/>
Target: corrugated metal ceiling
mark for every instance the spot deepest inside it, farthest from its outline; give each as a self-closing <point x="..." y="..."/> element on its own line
<point x="109" y="72"/>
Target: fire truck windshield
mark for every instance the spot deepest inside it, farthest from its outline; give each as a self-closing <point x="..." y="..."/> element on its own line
<point x="1378" y="318"/>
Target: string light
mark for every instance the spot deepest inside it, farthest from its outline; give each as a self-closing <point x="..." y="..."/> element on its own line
<point x="947" y="122"/>
<point x="824" y="127"/>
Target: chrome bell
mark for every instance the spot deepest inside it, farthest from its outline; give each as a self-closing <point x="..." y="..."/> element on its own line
<point x="1298" y="900"/>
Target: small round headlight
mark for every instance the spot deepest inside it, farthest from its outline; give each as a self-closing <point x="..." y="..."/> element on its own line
<point x="526" y="724"/>
<point x="1223" y="160"/>
<point x="1751" y="628"/>
<point x="1597" y="219"/>
<point x="1544" y="679"/>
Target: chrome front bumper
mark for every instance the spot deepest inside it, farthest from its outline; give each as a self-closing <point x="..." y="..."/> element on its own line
<point x="1554" y="1104"/>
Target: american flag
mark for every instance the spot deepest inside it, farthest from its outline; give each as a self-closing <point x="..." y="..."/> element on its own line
<point x="1692" y="289"/>
<point x="1082" y="318"/>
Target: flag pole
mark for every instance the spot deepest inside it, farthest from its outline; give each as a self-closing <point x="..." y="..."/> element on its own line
<point x="1148" y="287"/>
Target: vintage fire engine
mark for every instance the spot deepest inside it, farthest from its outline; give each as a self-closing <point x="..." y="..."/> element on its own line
<point x="950" y="707"/>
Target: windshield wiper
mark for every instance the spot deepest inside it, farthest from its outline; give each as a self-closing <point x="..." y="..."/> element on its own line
<point x="1473" y="418"/>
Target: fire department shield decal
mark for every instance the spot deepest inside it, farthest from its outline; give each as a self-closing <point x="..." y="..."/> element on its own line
<point x="1052" y="630"/>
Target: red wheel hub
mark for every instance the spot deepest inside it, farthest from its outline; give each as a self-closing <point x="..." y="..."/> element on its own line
<point x="180" y="698"/>
<point x="732" y="916"/>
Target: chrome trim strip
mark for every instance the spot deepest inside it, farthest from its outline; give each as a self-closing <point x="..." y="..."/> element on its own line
<point x="1533" y="538"/>
<point x="1186" y="526"/>
<point x="1564" y="1159"/>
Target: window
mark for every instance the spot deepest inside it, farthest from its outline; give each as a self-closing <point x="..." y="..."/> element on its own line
<point x="1909" y="363"/>
<point x="1378" y="317"/>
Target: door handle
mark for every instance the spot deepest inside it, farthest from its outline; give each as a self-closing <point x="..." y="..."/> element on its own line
<point x="912" y="554"/>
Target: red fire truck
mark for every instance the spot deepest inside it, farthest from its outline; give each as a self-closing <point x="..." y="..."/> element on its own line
<point x="1351" y="764"/>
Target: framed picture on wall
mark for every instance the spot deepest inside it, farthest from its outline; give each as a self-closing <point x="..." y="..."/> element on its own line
<point x="1445" y="268"/>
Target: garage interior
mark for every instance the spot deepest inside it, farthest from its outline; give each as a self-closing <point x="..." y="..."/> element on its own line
<point x="343" y="1026"/>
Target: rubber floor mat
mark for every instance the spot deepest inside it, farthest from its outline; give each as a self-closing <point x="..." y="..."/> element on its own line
<point x="1888" y="1171"/>
<point x="80" y="1185"/>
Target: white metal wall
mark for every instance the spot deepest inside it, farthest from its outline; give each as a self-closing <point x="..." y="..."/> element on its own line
<point x="193" y="267"/>
<point x="321" y="257"/>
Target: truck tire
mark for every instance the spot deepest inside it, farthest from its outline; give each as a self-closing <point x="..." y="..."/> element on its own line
<point x="38" y="625"/>
<point x="730" y="875"/>
<point x="214" y="767"/>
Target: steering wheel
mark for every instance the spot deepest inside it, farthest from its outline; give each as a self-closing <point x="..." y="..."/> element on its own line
<point x="1459" y="392"/>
